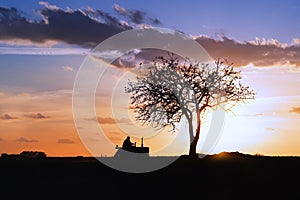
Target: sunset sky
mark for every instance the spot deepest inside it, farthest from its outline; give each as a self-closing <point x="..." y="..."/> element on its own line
<point x="43" y="44"/>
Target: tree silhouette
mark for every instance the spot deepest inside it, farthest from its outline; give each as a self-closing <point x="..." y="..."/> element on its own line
<point x="171" y="88"/>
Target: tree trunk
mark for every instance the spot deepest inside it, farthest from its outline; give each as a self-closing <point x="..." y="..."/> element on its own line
<point x="195" y="139"/>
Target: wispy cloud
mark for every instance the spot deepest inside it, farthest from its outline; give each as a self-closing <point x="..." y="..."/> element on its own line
<point x="55" y="102"/>
<point x="43" y="51"/>
<point x="65" y="141"/>
<point x="22" y="139"/>
<point x="68" y="68"/>
<point x="27" y="42"/>
<point x="295" y="110"/>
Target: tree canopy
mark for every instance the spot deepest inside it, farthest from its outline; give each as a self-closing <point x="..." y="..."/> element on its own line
<point x="172" y="88"/>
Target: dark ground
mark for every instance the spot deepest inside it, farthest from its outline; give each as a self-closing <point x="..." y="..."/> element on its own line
<point x="231" y="176"/>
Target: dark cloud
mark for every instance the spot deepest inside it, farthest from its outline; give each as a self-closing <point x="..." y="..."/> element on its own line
<point x="155" y="21"/>
<point x="7" y="117"/>
<point x="65" y="141"/>
<point x="1" y="140"/>
<point x="37" y="116"/>
<point x="259" y="54"/>
<point x="72" y="26"/>
<point x="135" y="16"/>
<point x="85" y="27"/>
<point x="295" y="110"/>
<point x="22" y="139"/>
<point x="10" y="14"/>
<point x="240" y="54"/>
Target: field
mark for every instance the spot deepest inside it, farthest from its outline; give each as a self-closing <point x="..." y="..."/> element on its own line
<point x="224" y="176"/>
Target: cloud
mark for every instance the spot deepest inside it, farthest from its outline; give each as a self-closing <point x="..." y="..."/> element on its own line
<point x="7" y="117"/>
<point x="69" y="26"/>
<point x="88" y="27"/>
<point x="107" y="54"/>
<point x="49" y="6"/>
<point x="27" y="42"/>
<point x="135" y="16"/>
<point x="65" y="141"/>
<point x="155" y="21"/>
<point x="22" y="139"/>
<point x="84" y="27"/>
<point x="259" y="53"/>
<point x="263" y="54"/>
<point x="266" y="42"/>
<point x="56" y="102"/>
<point x="37" y="116"/>
<point x="131" y="59"/>
<point x="68" y="68"/>
<point x="295" y="110"/>
<point x="1" y="140"/>
<point x="296" y="41"/>
<point x="42" y="51"/>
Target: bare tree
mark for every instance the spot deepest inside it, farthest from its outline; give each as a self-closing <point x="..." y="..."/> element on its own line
<point x="170" y="89"/>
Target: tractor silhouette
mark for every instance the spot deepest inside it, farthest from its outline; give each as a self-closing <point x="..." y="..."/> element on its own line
<point x="130" y="150"/>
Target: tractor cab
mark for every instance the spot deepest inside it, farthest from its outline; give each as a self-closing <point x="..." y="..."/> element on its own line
<point x="130" y="149"/>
